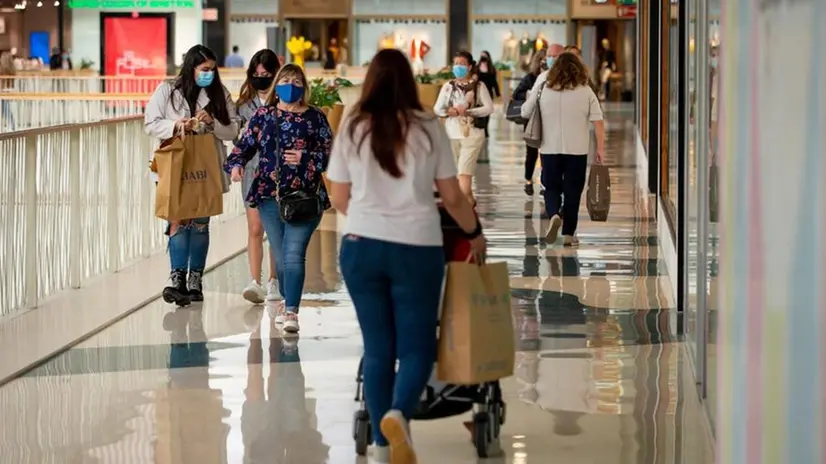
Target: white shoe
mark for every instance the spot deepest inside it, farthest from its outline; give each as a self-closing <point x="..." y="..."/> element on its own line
<point x="290" y="323"/>
<point x="272" y="291"/>
<point x="254" y="293"/>
<point x="276" y="312"/>
<point x="380" y="454"/>
<point x="397" y="431"/>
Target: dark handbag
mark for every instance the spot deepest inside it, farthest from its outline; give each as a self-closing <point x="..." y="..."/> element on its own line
<point x="598" y="200"/>
<point x="297" y="206"/>
<point x="514" y="112"/>
<point x="480" y="122"/>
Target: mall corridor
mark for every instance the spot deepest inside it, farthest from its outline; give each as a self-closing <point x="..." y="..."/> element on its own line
<point x="601" y="376"/>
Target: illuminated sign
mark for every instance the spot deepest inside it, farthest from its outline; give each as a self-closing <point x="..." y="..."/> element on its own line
<point x="131" y="4"/>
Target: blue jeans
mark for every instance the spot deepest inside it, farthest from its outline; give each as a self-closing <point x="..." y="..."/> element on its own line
<point x="189" y="245"/>
<point x="396" y="289"/>
<point x="288" y="245"/>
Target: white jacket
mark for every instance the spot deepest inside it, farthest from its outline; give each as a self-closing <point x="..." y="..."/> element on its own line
<point x="161" y="115"/>
<point x="450" y="96"/>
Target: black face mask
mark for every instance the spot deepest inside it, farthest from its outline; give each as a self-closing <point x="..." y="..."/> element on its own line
<point x="261" y="83"/>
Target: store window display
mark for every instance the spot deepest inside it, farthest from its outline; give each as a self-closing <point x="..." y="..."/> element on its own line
<point x="510" y="49"/>
<point x="418" y="50"/>
<point x="423" y="41"/>
<point x="517" y="39"/>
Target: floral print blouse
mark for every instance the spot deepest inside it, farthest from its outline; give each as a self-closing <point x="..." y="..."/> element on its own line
<point x="270" y="132"/>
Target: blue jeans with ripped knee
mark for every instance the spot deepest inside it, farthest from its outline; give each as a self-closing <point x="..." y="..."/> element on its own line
<point x="188" y="244"/>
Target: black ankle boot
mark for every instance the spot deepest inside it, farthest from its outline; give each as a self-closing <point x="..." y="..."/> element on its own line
<point x="175" y="290"/>
<point x="195" y="286"/>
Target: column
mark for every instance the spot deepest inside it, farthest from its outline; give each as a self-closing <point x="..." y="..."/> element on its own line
<point x="772" y="305"/>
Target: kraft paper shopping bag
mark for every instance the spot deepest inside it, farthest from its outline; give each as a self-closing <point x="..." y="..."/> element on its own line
<point x="476" y="337"/>
<point x="598" y="199"/>
<point x="190" y="183"/>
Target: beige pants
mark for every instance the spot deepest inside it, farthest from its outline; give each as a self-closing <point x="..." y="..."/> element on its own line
<point x="466" y="152"/>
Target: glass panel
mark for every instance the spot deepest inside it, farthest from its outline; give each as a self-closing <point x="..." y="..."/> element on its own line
<point x="673" y="90"/>
<point x="690" y="212"/>
<point x="713" y="236"/>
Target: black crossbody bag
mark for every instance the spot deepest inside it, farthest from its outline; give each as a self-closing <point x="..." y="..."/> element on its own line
<point x="297" y="206"/>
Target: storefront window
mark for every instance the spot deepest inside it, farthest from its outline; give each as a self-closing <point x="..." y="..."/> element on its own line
<point x="671" y="88"/>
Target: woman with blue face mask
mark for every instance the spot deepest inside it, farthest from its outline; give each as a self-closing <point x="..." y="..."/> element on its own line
<point x="465" y="102"/>
<point x="194" y="101"/>
<point x="293" y="142"/>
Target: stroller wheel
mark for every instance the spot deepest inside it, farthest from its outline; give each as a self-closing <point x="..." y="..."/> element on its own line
<point x="482" y="434"/>
<point x="361" y="432"/>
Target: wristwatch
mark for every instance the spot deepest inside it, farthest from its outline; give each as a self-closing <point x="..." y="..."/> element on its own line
<point x="477" y="231"/>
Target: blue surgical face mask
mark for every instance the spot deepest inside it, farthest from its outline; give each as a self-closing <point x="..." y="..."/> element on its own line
<point x="460" y="71"/>
<point x="289" y="93"/>
<point x="549" y="61"/>
<point x="205" y="78"/>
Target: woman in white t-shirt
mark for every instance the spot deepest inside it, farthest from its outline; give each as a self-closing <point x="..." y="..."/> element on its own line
<point x="385" y="161"/>
<point x="568" y="106"/>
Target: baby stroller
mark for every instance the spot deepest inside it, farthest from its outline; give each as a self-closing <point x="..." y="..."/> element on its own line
<point x="440" y="400"/>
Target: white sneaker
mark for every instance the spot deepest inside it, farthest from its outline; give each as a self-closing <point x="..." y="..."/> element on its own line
<point x="290" y="322"/>
<point x="397" y="431"/>
<point x="380" y="454"/>
<point x="276" y="312"/>
<point x="254" y="293"/>
<point x="272" y="290"/>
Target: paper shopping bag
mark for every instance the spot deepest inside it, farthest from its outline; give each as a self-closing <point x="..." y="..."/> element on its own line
<point x="598" y="200"/>
<point x="190" y="181"/>
<point x="476" y="338"/>
<point x="714" y="193"/>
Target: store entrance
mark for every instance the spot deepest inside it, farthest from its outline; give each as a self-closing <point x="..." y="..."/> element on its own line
<point x="328" y="38"/>
<point x="609" y="50"/>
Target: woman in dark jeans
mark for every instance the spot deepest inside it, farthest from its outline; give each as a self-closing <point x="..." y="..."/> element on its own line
<point x="487" y="75"/>
<point x="537" y="67"/>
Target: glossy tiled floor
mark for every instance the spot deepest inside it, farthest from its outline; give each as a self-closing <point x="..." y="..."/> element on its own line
<point x="600" y="377"/>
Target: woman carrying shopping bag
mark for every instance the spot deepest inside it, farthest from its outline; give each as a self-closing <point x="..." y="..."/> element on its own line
<point x="566" y="107"/>
<point x="293" y="141"/>
<point x="255" y="91"/>
<point x="194" y="102"/>
<point x="385" y="162"/>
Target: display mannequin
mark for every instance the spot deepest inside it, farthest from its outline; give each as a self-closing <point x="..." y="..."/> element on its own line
<point x="541" y="43"/>
<point x="510" y="49"/>
<point x="418" y="50"/>
<point x="387" y="41"/>
<point x="344" y="53"/>
<point x="607" y="67"/>
<point x="400" y="41"/>
<point x="331" y="55"/>
<point x="525" y="51"/>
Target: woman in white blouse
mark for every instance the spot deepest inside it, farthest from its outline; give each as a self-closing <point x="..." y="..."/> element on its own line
<point x="465" y="102"/>
<point x="567" y="105"/>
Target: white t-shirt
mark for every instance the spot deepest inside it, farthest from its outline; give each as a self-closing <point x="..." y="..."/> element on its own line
<point x="385" y="208"/>
<point x="566" y="117"/>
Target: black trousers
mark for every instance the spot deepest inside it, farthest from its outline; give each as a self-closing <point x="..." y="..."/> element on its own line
<point x="564" y="174"/>
<point x="531" y="156"/>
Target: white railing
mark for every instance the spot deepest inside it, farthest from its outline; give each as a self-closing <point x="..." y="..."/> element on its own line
<point x="75" y="203"/>
<point x="43" y="83"/>
<point x="32" y="111"/>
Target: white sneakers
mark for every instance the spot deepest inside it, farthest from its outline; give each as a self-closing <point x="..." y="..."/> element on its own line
<point x="397" y="431"/>
<point x="255" y="293"/>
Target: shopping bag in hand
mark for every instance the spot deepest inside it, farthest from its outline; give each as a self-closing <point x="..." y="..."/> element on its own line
<point x="598" y="200"/>
<point x="189" y="179"/>
<point x="476" y="337"/>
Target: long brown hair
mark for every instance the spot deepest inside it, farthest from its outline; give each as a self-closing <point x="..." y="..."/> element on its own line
<point x="388" y="101"/>
<point x="567" y="73"/>
<point x="537" y="62"/>
<point x="269" y="60"/>
<point x="291" y="70"/>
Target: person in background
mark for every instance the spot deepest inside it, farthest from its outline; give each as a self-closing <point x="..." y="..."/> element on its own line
<point x="255" y="91"/>
<point x="193" y="101"/>
<point x="234" y="59"/>
<point x="568" y="105"/>
<point x="537" y="66"/>
<point x="576" y="51"/>
<point x="385" y="161"/>
<point x="293" y="141"/>
<point x="462" y="101"/>
<point x="60" y="60"/>
<point x="7" y="73"/>
<point x="486" y="72"/>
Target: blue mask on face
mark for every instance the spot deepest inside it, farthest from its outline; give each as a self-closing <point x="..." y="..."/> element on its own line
<point x="205" y="78"/>
<point x="460" y="71"/>
<point x="549" y="62"/>
<point x="289" y="93"/>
